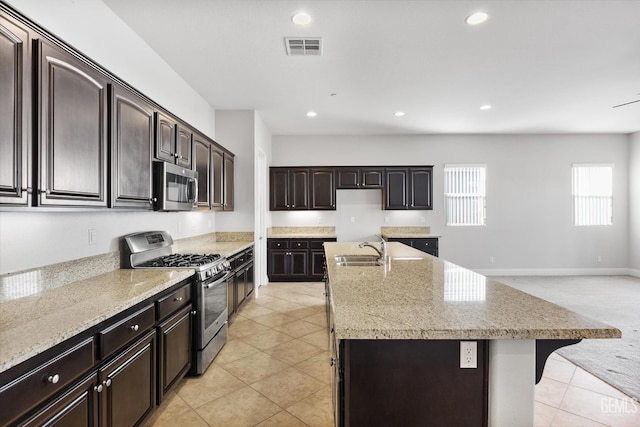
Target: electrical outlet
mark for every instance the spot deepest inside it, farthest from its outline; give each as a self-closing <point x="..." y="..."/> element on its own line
<point x="469" y="354"/>
<point x="92" y="236"/>
<point x="353" y="219"/>
<point x="386" y="219"/>
<point x="599" y="258"/>
<point x="492" y="259"/>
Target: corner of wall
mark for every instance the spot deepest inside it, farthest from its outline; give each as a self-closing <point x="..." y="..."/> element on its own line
<point x="634" y="201"/>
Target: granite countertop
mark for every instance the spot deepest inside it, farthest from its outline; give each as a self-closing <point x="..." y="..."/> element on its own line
<point x="301" y="233"/>
<point x="405" y="232"/>
<point x="416" y="296"/>
<point x="42" y="307"/>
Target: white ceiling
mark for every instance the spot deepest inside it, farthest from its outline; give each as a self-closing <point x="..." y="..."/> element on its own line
<point x="550" y="66"/>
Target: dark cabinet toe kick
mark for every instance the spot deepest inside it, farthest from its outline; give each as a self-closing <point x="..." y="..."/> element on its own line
<point x="544" y="348"/>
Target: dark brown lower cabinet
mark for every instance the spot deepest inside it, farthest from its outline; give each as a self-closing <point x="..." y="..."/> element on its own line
<point x="129" y="386"/>
<point x="409" y="383"/>
<point x="427" y="245"/>
<point x="296" y="259"/>
<point x="76" y="408"/>
<point x="175" y="345"/>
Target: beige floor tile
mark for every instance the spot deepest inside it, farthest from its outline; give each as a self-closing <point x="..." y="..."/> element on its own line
<point x="255" y="367"/>
<point x="214" y="383"/>
<point x="565" y="419"/>
<point x="294" y="352"/>
<point x="171" y="407"/>
<point x="244" y="407"/>
<point x="543" y="414"/>
<point x="274" y="319"/>
<point x="316" y="410"/>
<point x="266" y="339"/>
<point x="282" y="419"/>
<point x="319" y="319"/>
<point x="319" y="338"/>
<point x="188" y="418"/>
<point x="585" y="380"/>
<point x="318" y="367"/>
<point x="262" y="298"/>
<point x="242" y="326"/>
<point x="556" y="356"/>
<point x="233" y="350"/>
<point x="301" y="313"/>
<point x="603" y="409"/>
<point x="287" y="387"/>
<point x="559" y="370"/>
<point x="298" y="328"/>
<point x="252" y="310"/>
<point x="283" y="306"/>
<point x="550" y="392"/>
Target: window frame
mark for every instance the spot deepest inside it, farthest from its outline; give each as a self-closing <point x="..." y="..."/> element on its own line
<point x="482" y="193"/>
<point x="575" y="197"/>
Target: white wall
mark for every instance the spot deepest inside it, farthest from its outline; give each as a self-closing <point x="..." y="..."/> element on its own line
<point x="235" y="130"/>
<point x="528" y="197"/>
<point x="634" y="202"/>
<point x="36" y="238"/>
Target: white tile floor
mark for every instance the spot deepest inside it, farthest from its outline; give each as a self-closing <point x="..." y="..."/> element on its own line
<point x="274" y="371"/>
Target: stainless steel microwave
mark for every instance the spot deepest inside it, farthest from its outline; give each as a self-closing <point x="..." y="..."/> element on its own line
<point x="175" y="188"/>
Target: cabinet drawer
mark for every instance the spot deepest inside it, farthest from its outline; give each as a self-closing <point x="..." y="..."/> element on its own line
<point x="319" y="244"/>
<point x="17" y="397"/>
<point x="173" y="301"/>
<point x="278" y="244"/>
<point x="425" y="244"/>
<point x="126" y="330"/>
<point x="299" y="244"/>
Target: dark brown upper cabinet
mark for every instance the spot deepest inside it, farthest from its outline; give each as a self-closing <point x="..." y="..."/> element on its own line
<point x="359" y="177"/>
<point x="173" y="141"/>
<point x="131" y="141"/>
<point x="215" y="174"/>
<point x="72" y="130"/>
<point x="408" y="188"/>
<point x="323" y="189"/>
<point x="202" y="164"/>
<point x="289" y="189"/>
<point x="228" y="185"/>
<point x="15" y="117"/>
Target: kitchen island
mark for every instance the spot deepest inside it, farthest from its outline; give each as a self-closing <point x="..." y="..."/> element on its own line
<point x="397" y="330"/>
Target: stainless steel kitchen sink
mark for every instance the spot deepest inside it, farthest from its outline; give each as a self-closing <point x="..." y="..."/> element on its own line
<point x="357" y="260"/>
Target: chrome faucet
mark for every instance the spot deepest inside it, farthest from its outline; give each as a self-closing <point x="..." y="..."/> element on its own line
<point x="382" y="252"/>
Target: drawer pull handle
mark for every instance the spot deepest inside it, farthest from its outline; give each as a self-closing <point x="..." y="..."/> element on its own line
<point x="107" y="382"/>
<point x="178" y="299"/>
<point x="98" y="388"/>
<point x="53" y="379"/>
<point x="134" y="328"/>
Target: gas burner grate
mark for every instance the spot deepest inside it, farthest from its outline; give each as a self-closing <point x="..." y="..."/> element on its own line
<point x="182" y="260"/>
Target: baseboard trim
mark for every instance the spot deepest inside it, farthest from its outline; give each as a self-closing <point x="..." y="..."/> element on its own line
<point x="559" y="272"/>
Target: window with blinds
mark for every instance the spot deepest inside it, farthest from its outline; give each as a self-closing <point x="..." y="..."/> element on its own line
<point x="465" y="194"/>
<point x="592" y="189"/>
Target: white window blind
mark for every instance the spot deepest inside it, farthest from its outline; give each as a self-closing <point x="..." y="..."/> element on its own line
<point x="592" y="189"/>
<point x="465" y="194"/>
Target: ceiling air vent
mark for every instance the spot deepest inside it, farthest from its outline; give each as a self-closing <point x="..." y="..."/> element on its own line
<point x="304" y="46"/>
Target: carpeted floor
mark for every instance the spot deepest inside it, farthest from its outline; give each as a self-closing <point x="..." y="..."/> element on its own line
<point x="614" y="300"/>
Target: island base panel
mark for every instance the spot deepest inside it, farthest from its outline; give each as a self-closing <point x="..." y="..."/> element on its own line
<point x="412" y="383"/>
<point x="511" y="382"/>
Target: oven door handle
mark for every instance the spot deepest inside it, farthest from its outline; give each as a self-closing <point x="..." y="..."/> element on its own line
<point x="220" y="280"/>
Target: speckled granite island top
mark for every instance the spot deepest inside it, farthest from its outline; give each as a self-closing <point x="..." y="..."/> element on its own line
<point x="417" y="296"/>
<point x="40" y="308"/>
<point x="301" y="233"/>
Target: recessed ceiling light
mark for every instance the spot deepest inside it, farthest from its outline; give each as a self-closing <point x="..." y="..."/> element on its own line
<point x="399" y="113"/>
<point x="485" y="107"/>
<point x="477" y="18"/>
<point x="301" y="19"/>
<point x="311" y="114"/>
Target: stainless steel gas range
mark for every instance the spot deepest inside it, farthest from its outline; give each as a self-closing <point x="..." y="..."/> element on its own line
<point x="153" y="249"/>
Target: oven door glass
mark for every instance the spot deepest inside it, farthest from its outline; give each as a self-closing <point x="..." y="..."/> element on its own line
<point x="213" y="309"/>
